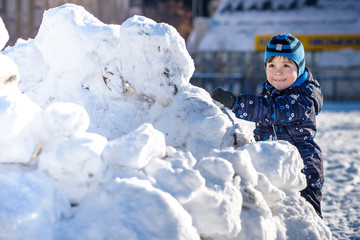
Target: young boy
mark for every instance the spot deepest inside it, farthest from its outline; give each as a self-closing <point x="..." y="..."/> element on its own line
<point x="286" y="108"/>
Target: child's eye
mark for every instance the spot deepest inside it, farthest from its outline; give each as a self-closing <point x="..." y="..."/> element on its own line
<point x="271" y="65"/>
<point x="286" y="65"/>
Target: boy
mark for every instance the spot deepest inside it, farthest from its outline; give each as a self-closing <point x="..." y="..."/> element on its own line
<point x="286" y="108"/>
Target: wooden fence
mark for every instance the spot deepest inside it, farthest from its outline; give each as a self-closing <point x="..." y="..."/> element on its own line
<point x="22" y="18"/>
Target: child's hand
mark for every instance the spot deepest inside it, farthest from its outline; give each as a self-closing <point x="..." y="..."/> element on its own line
<point x="224" y="97"/>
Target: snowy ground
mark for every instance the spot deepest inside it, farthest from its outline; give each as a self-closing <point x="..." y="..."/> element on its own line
<point x="339" y="138"/>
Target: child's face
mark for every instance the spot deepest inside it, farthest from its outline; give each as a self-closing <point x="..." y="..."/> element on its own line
<point x="281" y="72"/>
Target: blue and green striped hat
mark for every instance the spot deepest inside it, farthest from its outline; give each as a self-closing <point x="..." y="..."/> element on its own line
<point x="287" y="45"/>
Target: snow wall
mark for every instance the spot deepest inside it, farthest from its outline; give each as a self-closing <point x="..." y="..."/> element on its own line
<point x="103" y="137"/>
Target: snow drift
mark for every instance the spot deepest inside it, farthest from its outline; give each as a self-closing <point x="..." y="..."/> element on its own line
<point x="103" y="137"/>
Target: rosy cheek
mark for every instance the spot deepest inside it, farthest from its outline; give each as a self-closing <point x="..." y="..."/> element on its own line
<point x="268" y="77"/>
<point x="268" y="73"/>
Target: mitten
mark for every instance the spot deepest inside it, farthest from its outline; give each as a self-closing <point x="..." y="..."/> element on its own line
<point x="224" y="97"/>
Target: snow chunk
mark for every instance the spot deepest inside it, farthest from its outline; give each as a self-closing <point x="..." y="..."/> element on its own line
<point x="176" y="176"/>
<point x="219" y="217"/>
<point x="74" y="163"/>
<point x="65" y="119"/>
<point x="69" y="35"/>
<point x="73" y="160"/>
<point x="162" y="50"/>
<point x="241" y="163"/>
<point x="139" y="212"/>
<point x="258" y="215"/>
<point x="216" y="213"/>
<point x="78" y="25"/>
<point x="137" y="148"/>
<point x="215" y="170"/>
<point x="192" y="122"/>
<point x="281" y="162"/>
<point x="272" y="194"/>
<point x="236" y="136"/>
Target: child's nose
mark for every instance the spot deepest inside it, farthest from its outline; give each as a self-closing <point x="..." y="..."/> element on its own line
<point x="279" y="71"/>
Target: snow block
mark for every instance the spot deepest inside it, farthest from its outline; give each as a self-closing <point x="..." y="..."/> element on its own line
<point x="137" y="148"/>
<point x="65" y="119"/>
<point x="281" y="162"/>
<point x="130" y="209"/>
<point x="145" y="44"/>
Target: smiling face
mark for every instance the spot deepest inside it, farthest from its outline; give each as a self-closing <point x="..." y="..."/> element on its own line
<point x="281" y="72"/>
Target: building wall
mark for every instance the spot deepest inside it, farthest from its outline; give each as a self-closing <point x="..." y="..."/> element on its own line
<point x="22" y="18"/>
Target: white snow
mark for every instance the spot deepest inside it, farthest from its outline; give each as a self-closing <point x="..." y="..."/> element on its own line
<point x="280" y="162"/>
<point x="147" y="143"/>
<point x="104" y="138"/>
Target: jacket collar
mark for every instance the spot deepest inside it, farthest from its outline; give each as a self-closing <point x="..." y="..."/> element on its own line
<point x="300" y="80"/>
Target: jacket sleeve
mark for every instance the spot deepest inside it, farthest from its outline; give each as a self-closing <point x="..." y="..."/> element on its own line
<point x="273" y="110"/>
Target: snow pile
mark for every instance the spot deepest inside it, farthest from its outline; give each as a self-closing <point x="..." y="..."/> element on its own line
<point x="108" y="140"/>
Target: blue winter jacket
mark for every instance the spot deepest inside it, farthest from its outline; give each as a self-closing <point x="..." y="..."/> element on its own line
<point x="288" y="115"/>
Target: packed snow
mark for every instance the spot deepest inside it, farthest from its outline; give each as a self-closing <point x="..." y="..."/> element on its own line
<point x="103" y="137"/>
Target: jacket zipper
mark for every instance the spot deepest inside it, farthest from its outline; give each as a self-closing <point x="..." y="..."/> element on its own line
<point x="271" y="136"/>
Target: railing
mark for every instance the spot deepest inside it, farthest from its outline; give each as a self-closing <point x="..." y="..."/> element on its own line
<point x="340" y="88"/>
<point x="243" y="72"/>
<point x="334" y="88"/>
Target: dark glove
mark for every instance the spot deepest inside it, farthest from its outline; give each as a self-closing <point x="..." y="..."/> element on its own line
<point x="224" y="97"/>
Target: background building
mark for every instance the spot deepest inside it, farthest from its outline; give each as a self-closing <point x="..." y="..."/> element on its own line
<point x="23" y="17"/>
<point x="228" y="48"/>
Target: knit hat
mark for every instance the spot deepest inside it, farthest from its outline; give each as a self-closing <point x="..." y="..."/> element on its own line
<point x="288" y="46"/>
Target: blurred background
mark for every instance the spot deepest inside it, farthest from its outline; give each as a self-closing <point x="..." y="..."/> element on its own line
<point x="227" y="38"/>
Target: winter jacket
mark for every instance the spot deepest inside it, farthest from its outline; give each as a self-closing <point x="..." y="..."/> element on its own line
<point x="288" y="115"/>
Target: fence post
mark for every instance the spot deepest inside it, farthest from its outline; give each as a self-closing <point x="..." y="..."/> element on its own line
<point x="18" y="18"/>
<point x="101" y="10"/>
<point x="334" y="93"/>
<point x="31" y="17"/>
<point x="4" y="10"/>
